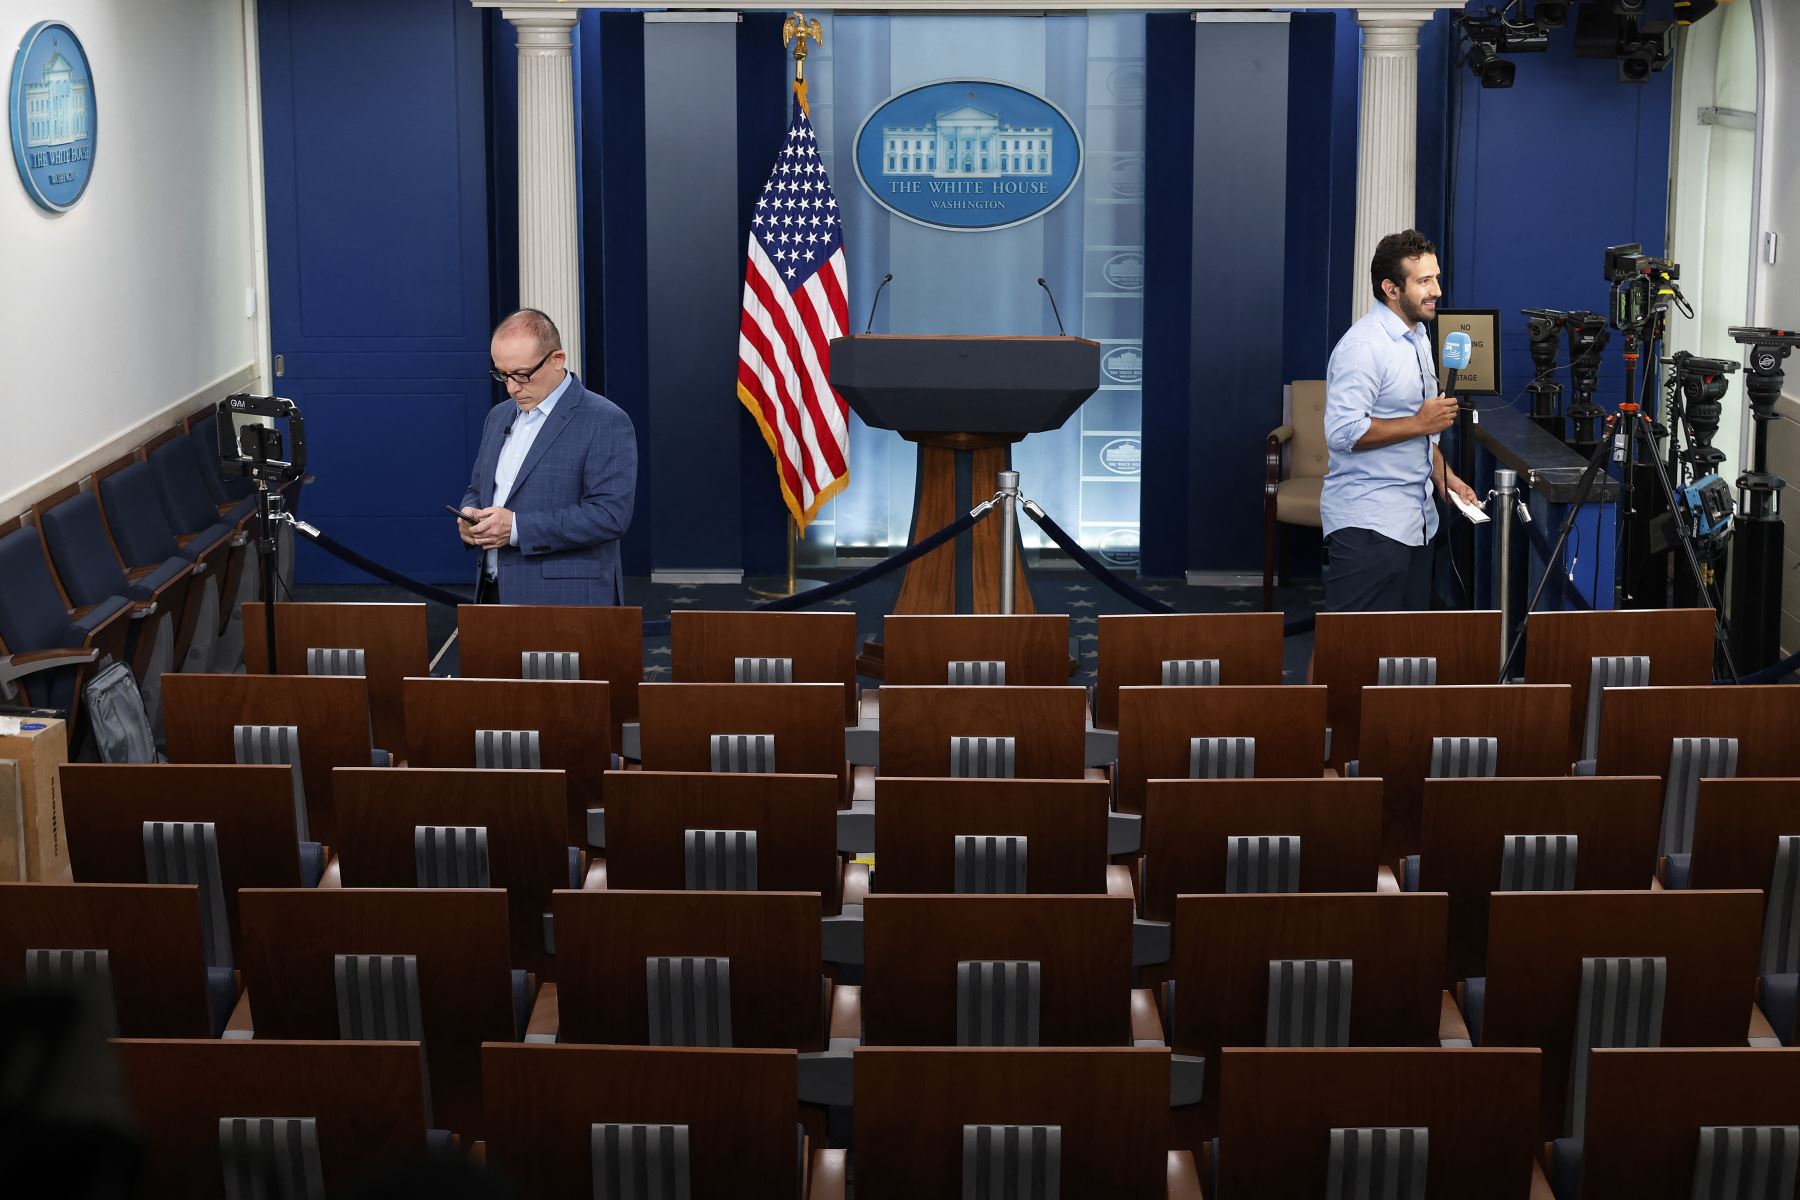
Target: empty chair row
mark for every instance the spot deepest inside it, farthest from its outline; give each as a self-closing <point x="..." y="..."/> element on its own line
<point x="568" y="1121"/>
<point x="737" y="968"/>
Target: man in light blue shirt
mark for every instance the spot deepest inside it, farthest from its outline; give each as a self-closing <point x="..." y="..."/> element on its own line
<point x="1383" y="415"/>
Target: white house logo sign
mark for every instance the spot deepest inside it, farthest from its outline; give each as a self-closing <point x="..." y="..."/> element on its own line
<point x="52" y="116"/>
<point x="968" y="154"/>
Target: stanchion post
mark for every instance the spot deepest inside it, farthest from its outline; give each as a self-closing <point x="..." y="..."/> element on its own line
<point x="1506" y="487"/>
<point x="1009" y="535"/>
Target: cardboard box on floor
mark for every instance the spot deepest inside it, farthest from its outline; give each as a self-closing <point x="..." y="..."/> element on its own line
<point x="32" y="845"/>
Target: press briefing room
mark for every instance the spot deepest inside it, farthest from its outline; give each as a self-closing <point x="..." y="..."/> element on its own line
<point x="1017" y="599"/>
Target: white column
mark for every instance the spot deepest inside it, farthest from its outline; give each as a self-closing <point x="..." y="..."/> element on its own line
<point x="549" y="235"/>
<point x="1387" y="144"/>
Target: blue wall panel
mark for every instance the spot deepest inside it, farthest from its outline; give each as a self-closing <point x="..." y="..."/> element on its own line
<point x="1168" y="299"/>
<point x="1240" y="189"/>
<point x="378" y="240"/>
<point x="763" y="96"/>
<point x="615" y="121"/>
<point x="1549" y="173"/>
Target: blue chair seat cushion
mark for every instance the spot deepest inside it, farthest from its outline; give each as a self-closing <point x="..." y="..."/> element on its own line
<point x="1680" y="871"/>
<point x="1565" y="1168"/>
<point x="80" y="627"/>
<point x="312" y="864"/>
<point x="1780" y="999"/>
<point x="521" y="991"/>
<point x="575" y="868"/>
<point x="1474" y="1005"/>
<point x="206" y="539"/>
<point x="1409" y="873"/>
<point x="145" y="588"/>
<point x="221" y="997"/>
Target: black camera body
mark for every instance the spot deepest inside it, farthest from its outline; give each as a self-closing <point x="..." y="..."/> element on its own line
<point x="255" y="449"/>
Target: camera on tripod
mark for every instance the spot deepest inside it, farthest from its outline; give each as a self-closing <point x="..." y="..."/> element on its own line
<point x="1642" y="285"/>
<point x="253" y="449"/>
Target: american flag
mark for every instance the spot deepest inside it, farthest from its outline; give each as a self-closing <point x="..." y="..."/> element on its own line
<point x="794" y="304"/>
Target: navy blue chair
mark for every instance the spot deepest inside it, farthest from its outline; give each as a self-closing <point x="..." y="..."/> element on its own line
<point x="46" y="647"/>
<point x="88" y="565"/>
<point x="132" y="507"/>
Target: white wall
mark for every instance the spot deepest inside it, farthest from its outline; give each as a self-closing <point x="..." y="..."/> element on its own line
<point x="125" y="312"/>
<point x="1778" y="285"/>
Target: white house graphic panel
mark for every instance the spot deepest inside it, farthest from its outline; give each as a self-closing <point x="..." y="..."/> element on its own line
<point x="966" y="143"/>
<point x="56" y="107"/>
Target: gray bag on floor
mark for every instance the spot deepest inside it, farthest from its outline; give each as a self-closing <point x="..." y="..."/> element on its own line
<point x="116" y="716"/>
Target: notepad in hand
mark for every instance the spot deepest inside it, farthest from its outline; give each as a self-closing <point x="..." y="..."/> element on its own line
<point x="1474" y="512"/>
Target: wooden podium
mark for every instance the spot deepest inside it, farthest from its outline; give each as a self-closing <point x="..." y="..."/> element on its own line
<point x="965" y="401"/>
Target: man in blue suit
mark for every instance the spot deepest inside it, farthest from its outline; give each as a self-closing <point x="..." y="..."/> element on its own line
<point x="554" y="480"/>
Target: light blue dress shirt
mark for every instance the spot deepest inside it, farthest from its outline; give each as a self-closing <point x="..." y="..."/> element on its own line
<point x="513" y="450"/>
<point x="1381" y="369"/>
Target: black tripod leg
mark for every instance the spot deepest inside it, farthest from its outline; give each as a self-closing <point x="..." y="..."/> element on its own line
<point x="1641" y="428"/>
<point x="1584" y="489"/>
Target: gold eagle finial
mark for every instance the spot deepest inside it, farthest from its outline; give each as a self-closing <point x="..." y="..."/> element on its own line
<point x="794" y="32"/>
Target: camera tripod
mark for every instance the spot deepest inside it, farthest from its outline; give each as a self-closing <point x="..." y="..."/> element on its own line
<point x="1631" y="423"/>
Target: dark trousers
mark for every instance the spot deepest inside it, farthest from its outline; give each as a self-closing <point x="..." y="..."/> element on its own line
<point x="487" y="591"/>
<point x="1371" y="572"/>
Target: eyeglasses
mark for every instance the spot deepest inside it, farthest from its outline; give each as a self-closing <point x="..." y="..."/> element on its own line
<point x="519" y="377"/>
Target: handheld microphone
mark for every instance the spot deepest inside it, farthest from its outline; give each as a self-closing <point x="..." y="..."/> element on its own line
<point x="1053" y="310"/>
<point x="885" y="280"/>
<point x="1456" y="353"/>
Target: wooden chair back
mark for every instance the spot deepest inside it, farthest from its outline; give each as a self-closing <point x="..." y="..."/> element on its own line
<point x="821" y="645"/>
<point x="391" y="636"/>
<point x="1187" y="823"/>
<point x="920" y="648"/>
<point x="917" y="822"/>
<point x="912" y="944"/>
<point x="524" y="813"/>
<point x="1156" y="725"/>
<point x="571" y="717"/>
<point x="794" y="818"/>
<point x="151" y="932"/>
<point x="1536" y="941"/>
<point x="740" y="1108"/>
<point x="1465" y="823"/>
<point x="291" y="938"/>
<point x="1348" y="649"/>
<point x="331" y="712"/>
<point x="1133" y="648"/>
<point x="1047" y="724"/>
<point x="771" y="938"/>
<point x="492" y="639"/>
<point x="1398" y="724"/>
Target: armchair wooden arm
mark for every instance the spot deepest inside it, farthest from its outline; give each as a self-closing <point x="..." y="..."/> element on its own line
<point x="846" y="1012"/>
<point x="546" y="1016"/>
<point x="1146" y="1023"/>
<point x="830" y="1175"/>
<point x="1184" y="1177"/>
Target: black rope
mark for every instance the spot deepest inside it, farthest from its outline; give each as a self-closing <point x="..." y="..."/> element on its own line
<point x="1774" y="673"/>
<point x="1105" y="575"/>
<point x="886" y="566"/>
<point x="331" y="545"/>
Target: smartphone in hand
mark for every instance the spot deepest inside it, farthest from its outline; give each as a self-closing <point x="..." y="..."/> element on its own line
<point x="460" y="514"/>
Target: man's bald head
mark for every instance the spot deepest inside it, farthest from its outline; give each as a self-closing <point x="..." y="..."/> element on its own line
<point x="533" y="324"/>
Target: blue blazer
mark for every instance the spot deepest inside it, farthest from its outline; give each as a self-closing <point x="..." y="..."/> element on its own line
<point x="571" y="502"/>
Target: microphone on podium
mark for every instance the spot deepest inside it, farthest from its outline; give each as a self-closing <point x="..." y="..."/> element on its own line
<point x="1456" y="352"/>
<point x="1053" y="309"/>
<point x="885" y="280"/>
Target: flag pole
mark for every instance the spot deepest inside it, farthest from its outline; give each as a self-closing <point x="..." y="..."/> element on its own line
<point x="796" y="32"/>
